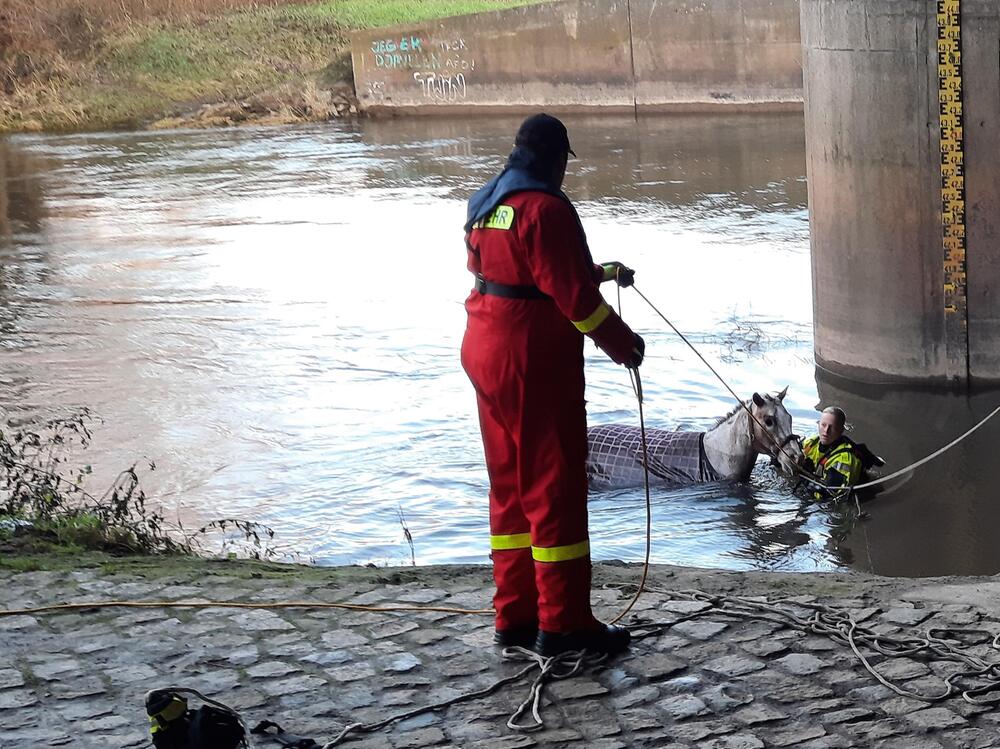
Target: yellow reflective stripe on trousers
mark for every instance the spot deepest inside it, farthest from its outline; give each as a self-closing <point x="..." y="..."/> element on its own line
<point x="515" y="541"/>
<point x="598" y="316"/>
<point x="560" y="553"/>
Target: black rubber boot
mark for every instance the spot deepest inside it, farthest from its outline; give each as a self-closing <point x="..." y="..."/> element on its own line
<point x="516" y="637"/>
<point x="605" y="640"/>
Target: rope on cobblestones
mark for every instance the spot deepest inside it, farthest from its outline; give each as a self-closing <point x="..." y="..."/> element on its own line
<point x="981" y="676"/>
<point x="549" y="669"/>
<point x="236" y="605"/>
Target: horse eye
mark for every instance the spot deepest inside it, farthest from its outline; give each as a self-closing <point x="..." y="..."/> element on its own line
<point x="768" y="422"/>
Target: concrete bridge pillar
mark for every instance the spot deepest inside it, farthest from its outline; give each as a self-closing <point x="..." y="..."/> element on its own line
<point x="889" y="299"/>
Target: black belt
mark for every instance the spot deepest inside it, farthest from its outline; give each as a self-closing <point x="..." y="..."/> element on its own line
<point x="508" y="291"/>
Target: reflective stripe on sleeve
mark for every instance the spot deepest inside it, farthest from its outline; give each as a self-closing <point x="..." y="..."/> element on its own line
<point x="560" y="553"/>
<point x="598" y="316"/>
<point x="515" y="541"/>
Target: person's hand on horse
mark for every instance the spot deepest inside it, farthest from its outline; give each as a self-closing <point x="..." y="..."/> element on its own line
<point x="621" y="273"/>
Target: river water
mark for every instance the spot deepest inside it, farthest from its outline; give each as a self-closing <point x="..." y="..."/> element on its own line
<point x="273" y="315"/>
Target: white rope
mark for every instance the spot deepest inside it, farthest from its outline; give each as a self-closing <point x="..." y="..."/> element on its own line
<point x="838" y="491"/>
<point x="929" y="458"/>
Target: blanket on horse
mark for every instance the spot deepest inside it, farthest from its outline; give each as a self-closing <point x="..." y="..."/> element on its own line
<point x="614" y="457"/>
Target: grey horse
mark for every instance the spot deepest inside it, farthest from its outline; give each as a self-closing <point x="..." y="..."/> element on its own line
<point x="726" y="452"/>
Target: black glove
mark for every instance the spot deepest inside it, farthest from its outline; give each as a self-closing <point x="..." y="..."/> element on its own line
<point x="638" y="352"/>
<point x="623" y="275"/>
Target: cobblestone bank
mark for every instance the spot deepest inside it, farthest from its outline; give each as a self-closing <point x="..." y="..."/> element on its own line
<point x="78" y="679"/>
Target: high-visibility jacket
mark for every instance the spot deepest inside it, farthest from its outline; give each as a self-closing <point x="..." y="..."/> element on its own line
<point x="836" y="465"/>
<point x="525" y="359"/>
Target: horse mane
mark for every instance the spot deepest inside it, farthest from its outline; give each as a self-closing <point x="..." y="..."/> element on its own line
<point x="722" y="420"/>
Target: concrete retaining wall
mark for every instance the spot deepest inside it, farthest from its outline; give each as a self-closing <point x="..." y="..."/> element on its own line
<point x="873" y="165"/>
<point x="703" y="53"/>
<point x="587" y="54"/>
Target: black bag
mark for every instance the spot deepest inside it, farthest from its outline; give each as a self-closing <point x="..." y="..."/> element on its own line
<point x="175" y="726"/>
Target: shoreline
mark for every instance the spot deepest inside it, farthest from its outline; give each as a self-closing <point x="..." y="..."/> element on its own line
<point x="709" y="679"/>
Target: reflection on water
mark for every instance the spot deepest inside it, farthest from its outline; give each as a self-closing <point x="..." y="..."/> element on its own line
<point x="274" y="316"/>
<point x="938" y="520"/>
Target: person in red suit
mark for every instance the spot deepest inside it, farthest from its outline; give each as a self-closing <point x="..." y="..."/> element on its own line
<point x="536" y="295"/>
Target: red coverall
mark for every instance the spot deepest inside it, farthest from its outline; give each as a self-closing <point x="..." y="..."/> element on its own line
<point x="525" y="359"/>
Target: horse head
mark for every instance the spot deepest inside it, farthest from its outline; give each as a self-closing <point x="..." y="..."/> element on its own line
<point x="771" y="431"/>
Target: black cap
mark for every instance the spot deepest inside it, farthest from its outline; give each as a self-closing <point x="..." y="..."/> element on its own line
<point x="543" y="134"/>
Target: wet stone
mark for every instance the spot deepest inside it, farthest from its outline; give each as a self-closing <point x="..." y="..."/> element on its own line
<point x="11" y="623"/>
<point x="869" y="695"/>
<point x="935" y="718"/>
<point x="734" y="665"/>
<point x="572" y="689"/>
<point x="700" y="630"/>
<point x="351" y="672"/>
<point x="294" y="685"/>
<point x="507" y="742"/>
<point x="401" y="663"/>
<point x="393" y="629"/>
<point x="618" y="679"/>
<point x="425" y="595"/>
<point x="725" y="697"/>
<point x="102" y="724"/>
<point x="81" y="709"/>
<point x="271" y="669"/>
<point x="695" y="731"/>
<point x="751" y="630"/>
<point x="260" y="621"/>
<point x="901" y="706"/>
<point x="72" y="689"/>
<point x="10" y="677"/>
<point x="656" y="666"/>
<point x="132" y="674"/>
<point x="765" y="648"/>
<point x="759" y="713"/>
<point x="870" y="731"/>
<point x="684" y="607"/>
<point x="244" y="656"/>
<point x="906" y="617"/>
<point x="56" y="669"/>
<point x="34" y="737"/>
<point x="801" y="664"/>
<point x="213" y="682"/>
<point x="17" y="698"/>
<point x="428" y="636"/>
<point x="327" y="657"/>
<point x="735" y="741"/>
<point x="636" y="696"/>
<point x="683" y="706"/>
<point x="798" y="735"/>
<point x="558" y="737"/>
<point x="897" y="669"/>
<point x="848" y="715"/>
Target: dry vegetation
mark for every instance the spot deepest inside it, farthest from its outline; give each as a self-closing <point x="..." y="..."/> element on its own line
<point x="86" y="64"/>
<point x="40" y="38"/>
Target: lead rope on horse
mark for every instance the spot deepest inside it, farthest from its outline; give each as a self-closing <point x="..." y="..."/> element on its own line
<point x="804" y="475"/>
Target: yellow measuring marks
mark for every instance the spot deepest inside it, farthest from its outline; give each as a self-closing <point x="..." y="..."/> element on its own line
<point x="949" y="48"/>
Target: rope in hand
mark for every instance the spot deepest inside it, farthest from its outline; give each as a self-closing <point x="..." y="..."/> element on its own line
<point x="637" y="389"/>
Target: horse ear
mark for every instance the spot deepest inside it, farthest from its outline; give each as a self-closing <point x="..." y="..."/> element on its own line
<point x="758" y="401"/>
<point x="783" y="393"/>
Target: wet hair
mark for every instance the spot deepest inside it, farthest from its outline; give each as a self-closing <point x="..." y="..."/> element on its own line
<point x="838" y="414"/>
